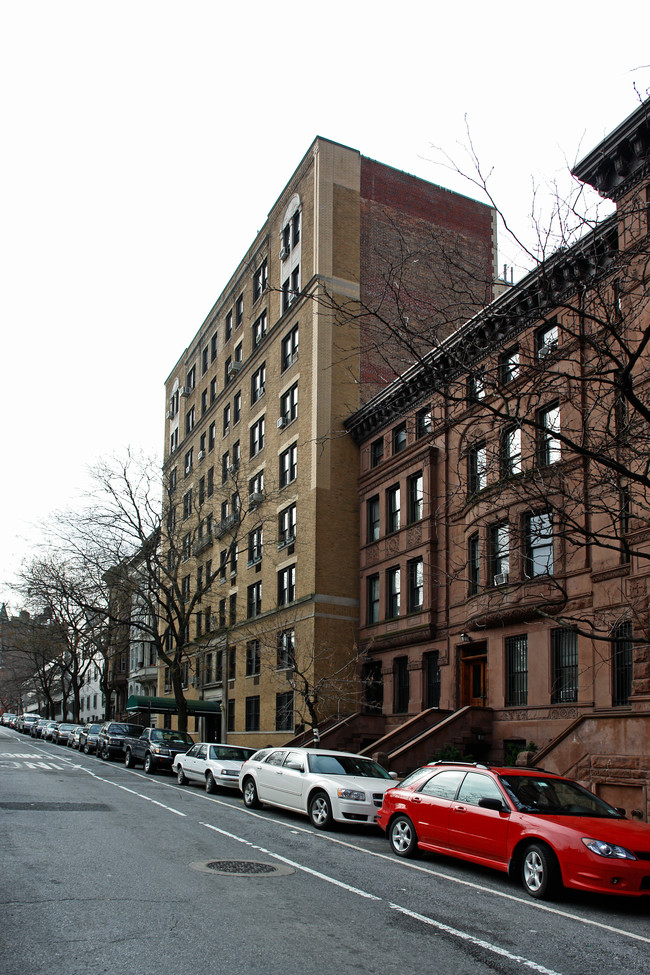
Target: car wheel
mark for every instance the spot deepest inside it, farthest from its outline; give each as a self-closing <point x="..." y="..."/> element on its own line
<point x="402" y="836"/>
<point x="320" y="811"/>
<point x="251" y="800"/>
<point x="210" y="784"/>
<point x="540" y="872"/>
<point x="103" y="754"/>
<point x="128" y="759"/>
<point x="86" y="749"/>
<point x="149" y="766"/>
<point x="181" y="778"/>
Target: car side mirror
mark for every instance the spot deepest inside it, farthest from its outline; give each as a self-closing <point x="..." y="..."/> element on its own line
<point x="296" y="766"/>
<point x="393" y="775"/>
<point x="488" y="802"/>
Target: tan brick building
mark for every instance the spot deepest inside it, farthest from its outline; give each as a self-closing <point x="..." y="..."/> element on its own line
<point x="262" y="475"/>
<point x="504" y="512"/>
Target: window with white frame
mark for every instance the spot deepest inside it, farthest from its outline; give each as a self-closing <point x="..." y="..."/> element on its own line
<point x="511" y="452"/>
<point x="286" y="649"/>
<point x="392" y="592"/>
<point x="289" y="348"/>
<point x="286" y="585"/>
<point x="287" y="525"/>
<point x="477" y="468"/>
<point x="258" y="383"/>
<point x="289" y="404"/>
<point x="259" y="328"/>
<point x="257" y="437"/>
<point x="260" y="280"/>
<point x="393" y="508"/>
<point x="288" y="465"/>
<point x="548" y="428"/>
<point x="539" y="544"/>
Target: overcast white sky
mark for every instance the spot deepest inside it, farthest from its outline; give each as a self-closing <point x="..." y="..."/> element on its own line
<point x="144" y="142"/>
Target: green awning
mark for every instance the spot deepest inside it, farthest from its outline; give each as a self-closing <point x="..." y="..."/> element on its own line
<point x="168" y="705"/>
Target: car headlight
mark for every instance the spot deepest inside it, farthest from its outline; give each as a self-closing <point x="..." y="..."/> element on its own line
<point x="161" y="750"/>
<point x="608" y="850"/>
<point x="351" y="794"/>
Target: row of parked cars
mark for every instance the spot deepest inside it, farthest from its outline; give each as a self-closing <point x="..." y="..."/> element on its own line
<point x="542" y="828"/>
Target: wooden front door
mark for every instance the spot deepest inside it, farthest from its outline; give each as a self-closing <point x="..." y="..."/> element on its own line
<point x="473" y="675"/>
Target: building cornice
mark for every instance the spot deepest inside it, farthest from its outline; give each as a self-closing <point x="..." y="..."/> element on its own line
<point x="622" y="159"/>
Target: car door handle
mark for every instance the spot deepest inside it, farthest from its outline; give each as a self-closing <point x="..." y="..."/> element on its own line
<point x="460" y="809"/>
<point x="416" y="799"/>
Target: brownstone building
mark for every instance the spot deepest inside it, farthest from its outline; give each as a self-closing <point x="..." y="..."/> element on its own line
<point x="504" y="513"/>
<point x="262" y="503"/>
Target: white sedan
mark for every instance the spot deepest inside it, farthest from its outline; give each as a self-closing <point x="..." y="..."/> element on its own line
<point x="212" y="765"/>
<point x="327" y="786"/>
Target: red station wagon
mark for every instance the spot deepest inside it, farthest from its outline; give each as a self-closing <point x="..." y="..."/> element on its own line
<point x="536" y="825"/>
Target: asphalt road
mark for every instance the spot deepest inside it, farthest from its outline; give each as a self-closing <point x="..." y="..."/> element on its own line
<point x="103" y="870"/>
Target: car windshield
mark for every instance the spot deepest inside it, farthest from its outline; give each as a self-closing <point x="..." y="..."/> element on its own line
<point x="224" y="754"/>
<point x="557" y="797"/>
<point x="133" y="730"/>
<point x="94" y="729"/>
<point x="172" y="737"/>
<point x="346" y="765"/>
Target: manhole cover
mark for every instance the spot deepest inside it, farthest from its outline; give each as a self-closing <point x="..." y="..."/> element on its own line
<point x="243" y="868"/>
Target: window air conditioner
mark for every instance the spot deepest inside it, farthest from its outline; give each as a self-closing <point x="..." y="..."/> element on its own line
<point x="282" y="422"/>
<point x="255" y="498"/>
<point x="234" y="367"/>
<point x="284" y="253"/>
<point x="201" y="454"/>
<point x="185" y="391"/>
<point x="500" y="579"/>
<point x="546" y="349"/>
<point x="169" y="415"/>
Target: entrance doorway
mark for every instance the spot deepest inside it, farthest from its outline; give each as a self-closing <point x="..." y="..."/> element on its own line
<point x="473" y="675"/>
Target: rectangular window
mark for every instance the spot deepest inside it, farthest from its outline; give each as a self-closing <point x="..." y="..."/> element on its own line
<point x="473" y="564"/>
<point x="289" y="406"/>
<point x="511" y="452"/>
<point x="231" y="715"/>
<point x="393" y="509"/>
<point x="539" y="545"/>
<point x="204" y="402"/>
<point x="399" y="438"/>
<point x="499" y="553"/>
<point x="210" y="488"/>
<point x="232" y="608"/>
<point x="284" y="711"/>
<point x="392" y="593"/>
<point x="376" y="452"/>
<point x="204" y="361"/>
<point x="415" y="594"/>
<point x="509" y="364"/>
<point x="260" y="280"/>
<point x="212" y="435"/>
<point x="477" y="468"/>
<point x="253" y="658"/>
<point x="423" y="423"/>
<point x="258" y="383"/>
<point x="225" y="467"/>
<point x="239" y="311"/>
<point x="564" y="666"/>
<point x="548" y="426"/>
<point x="516" y="671"/>
<point x="213" y="347"/>
<point x="257" y="437"/>
<point x="190" y="420"/>
<point x="259" y="329"/>
<point x="414" y="487"/>
<point x="190" y="382"/>
<point x="401" y="689"/>
<point x="286" y="649"/>
<point x="372" y="599"/>
<point x="189" y="461"/>
<point x="622" y="664"/>
<point x="236" y="408"/>
<point x="287" y="526"/>
<point x="546" y="339"/>
<point x="187" y="504"/>
<point x="213" y="390"/>
<point x="286" y="585"/>
<point x="475" y="387"/>
<point x="227" y="415"/>
<point x="295" y="228"/>
<point x="372" y="519"/>
<point x="228" y="325"/>
<point x="289" y="349"/>
<point x="253" y="713"/>
<point x="255" y="546"/>
<point x="254" y="600"/>
<point x="288" y="465"/>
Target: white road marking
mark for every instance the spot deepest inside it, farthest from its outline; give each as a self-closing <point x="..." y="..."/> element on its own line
<point x="454" y="932"/>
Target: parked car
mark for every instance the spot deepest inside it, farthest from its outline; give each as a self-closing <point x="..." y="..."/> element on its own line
<point x="9" y="718"/>
<point x="110" y="740"/>
<point x="547" y="830"/>
<point x="49" y="730"/>
<point x="88" y="738"/>
<point x="38" y="727"/>
<point x="155" y="748"/>
<point x="327" y="786"/>
<point x="215" y="766"/>
<point x="73" y="739"/>
<point x="62" y="732"/>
